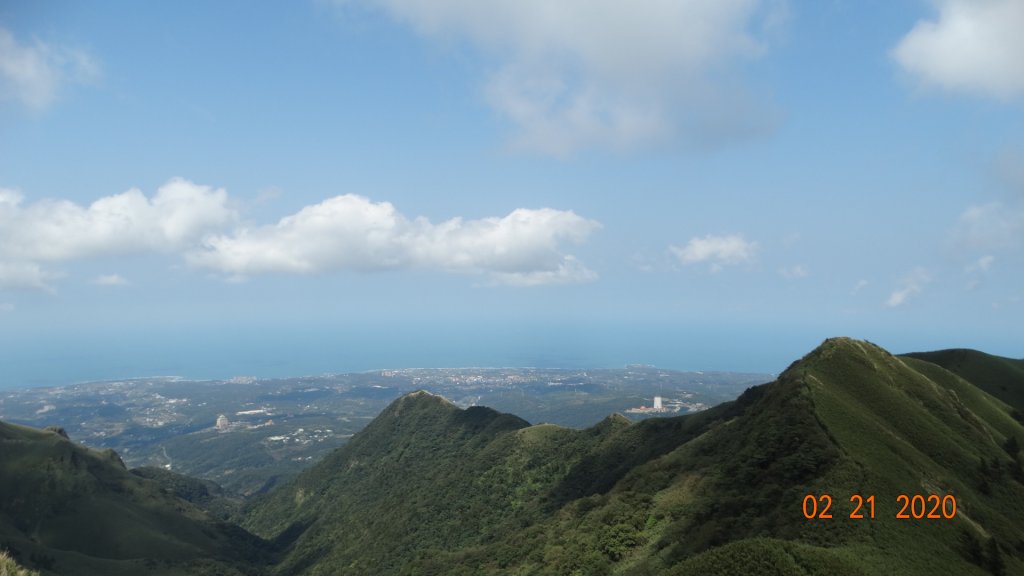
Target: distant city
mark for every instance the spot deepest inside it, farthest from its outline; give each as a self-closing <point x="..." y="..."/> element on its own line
<point x="247" y="432"/>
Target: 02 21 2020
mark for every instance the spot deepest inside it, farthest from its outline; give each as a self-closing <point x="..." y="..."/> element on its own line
<point x="916" y="507"/>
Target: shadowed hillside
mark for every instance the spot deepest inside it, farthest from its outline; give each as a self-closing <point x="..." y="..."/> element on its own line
<point x="1000" y="377"/>
<point x="67" y="509"/>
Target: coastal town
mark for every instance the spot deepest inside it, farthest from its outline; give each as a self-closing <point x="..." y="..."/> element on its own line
<point x="244" y="432"/>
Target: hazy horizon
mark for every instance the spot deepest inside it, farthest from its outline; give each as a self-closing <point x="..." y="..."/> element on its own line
<point x="65" y="363"/>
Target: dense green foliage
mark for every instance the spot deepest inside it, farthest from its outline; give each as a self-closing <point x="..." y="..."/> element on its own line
<point x="431" y="489"/>
<point x="67" y="509"/>
<point x="423" y="491"/>
<point x="279" y="427"/>
<point x="769" y="557"/>
<point x="205" y="494"/>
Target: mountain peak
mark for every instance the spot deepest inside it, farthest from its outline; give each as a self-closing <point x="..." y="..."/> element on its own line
<point x="437" y="488"/>
<point x="423" y="415"/>
<point x="420" y="400"/>
<point x="846" y="343"/>
<point x="59" y="431"/>
<point x="614" y="421"/>
<point x="424" y="394"/>
<point x="841" y="349"/>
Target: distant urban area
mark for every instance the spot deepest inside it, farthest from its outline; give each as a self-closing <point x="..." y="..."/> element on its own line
<point x="248" y="433"/>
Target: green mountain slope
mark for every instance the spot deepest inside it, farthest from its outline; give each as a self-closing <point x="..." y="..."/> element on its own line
<point x="66" y="509"/>
<point x="206" y="494"/>
<point x="428" y="488"/>
<point x="999" y="376"/>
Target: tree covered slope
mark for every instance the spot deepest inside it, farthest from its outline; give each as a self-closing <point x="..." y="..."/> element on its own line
<point x="67" y="509"/>
<point x="428" y="488"/>
<point x="807" y="475"/>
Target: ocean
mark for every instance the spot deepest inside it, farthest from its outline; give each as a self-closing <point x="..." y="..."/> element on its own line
<point x="212" y="354"/>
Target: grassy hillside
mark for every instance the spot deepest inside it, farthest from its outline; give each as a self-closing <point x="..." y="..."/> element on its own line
<point x="67" y="509"/>
<point x="1000" y="377"/>
<point x="431" y="489"/>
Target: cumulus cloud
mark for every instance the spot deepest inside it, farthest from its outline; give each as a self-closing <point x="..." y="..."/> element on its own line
<point x="50" y="231"/>
<point x="33" y="73"/>
<point x="973" y="46"/>
<point x="911" y="285"/>
<point x="179" y="214"/>
<point x="569" y="270"/>
<point x="578" y="73"/>
<point x="718" y="251"/>
<point x="351" y="232"/>
<point x="860" y="285"/>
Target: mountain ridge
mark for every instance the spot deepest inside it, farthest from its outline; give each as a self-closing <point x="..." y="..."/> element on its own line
<point x="665" y="494"/>
<point x="431" y="488"/>
<point x="991" y="373"/>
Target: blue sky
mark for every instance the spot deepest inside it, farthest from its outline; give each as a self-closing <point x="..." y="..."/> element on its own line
<point x="211" y="189"/>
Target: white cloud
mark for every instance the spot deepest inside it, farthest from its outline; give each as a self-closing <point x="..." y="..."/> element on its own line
<point x="33" y="74"/>
<point x="569" y="271"/>
<point x="860" y="285"/>
<point x="578" y="73"/>
<point x="911" y="285"/>
<point x="974" y="46"/>
<point x="342" y="233"/>
<point x="351" y="232"/>
<point x="995" y="225"/>
<point x="794" y="272"/>
<point x="6" y="307"/>
<point x="719" y="251"/>
<point x="178" y="215"/>
<point x="50" y="231"/>
<point x="110" y="280"/>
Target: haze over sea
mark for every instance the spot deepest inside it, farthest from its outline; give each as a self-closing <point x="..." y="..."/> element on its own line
<point x="210" y="354"/>
<point x="214" y="355"/>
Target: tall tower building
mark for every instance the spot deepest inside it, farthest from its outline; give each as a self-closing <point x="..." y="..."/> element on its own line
<point x="657" y="403"/>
